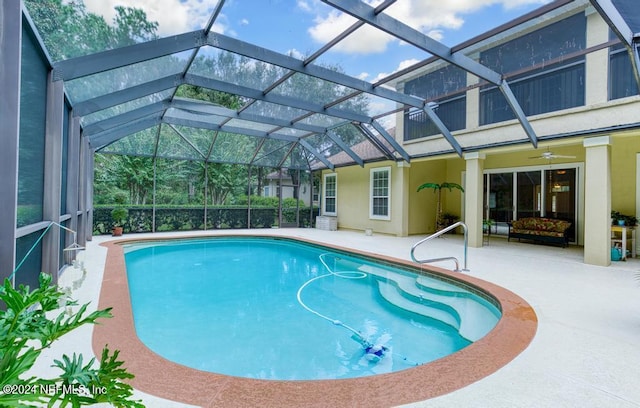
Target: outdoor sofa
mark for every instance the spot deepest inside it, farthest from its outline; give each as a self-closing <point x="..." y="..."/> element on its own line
<point x="545" y="230"/>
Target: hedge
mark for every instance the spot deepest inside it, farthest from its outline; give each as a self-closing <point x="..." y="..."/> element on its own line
<point x="177" y="218"/>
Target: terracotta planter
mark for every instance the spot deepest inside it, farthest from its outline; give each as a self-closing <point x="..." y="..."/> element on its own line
<point x="117" y="231"/>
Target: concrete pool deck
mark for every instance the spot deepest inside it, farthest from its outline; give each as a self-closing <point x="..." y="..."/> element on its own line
<point x="586" y="351"/>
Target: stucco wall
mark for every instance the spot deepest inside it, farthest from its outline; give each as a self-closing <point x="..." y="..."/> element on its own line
<point x="422" y="205"/>
<point x="623" y="172"/>
<point x="416" y="215"/>
<point x="353" y="199"/>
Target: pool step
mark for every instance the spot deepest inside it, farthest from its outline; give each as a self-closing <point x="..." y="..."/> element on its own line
<point x="430" y="297"/>
<point x="473" y="319"/>
<point x="438" y="286"/>
<point x="391" y="294"/>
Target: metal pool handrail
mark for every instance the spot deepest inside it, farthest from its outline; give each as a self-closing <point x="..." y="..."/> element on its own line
<point x="437" y="234"/>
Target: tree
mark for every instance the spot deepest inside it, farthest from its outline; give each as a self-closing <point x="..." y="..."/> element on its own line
<point x="68" y="30"/>
<point x="222" y="180"/>
<point x="437" y="188"/>
<point x="130" y="26"/>
<point x="131" y="174"/>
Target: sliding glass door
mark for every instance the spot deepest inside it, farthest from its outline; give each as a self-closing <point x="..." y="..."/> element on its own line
<point x="500" y="199"/>
<point x="561" y="197"/>
<point x="531" y="192"/>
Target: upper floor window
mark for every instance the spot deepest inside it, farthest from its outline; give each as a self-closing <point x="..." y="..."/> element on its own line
<point x="545" y="69"/>
<point x="452" y="113"/>
<point x="549" y="91"/>
<point x="330" y="195"/>
<point x="379" y="203"/>
<point x="445" y="88"/>
<point x="622" y="81"/>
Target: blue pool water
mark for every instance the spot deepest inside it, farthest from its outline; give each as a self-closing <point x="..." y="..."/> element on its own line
<point x="280" y="309"/>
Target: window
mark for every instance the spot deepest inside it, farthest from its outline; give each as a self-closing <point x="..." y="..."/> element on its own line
<point x="452" y="112"/>
<point x="330" y="194"/>
<point x="33" y="102"/>
<point x="622" y="82"/>
<point x="551" y="91"/>
<point x="545" y="68"/>
<point x="380" y="189"/>
<point x="446" y="88"/>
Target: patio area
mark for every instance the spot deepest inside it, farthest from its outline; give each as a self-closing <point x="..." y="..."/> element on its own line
<point x="585" y="352"/>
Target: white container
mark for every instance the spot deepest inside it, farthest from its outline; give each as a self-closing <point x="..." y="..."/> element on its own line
<point x="326" y="223"/>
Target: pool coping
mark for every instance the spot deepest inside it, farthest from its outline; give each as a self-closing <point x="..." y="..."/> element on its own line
<point x="163" y="378"/>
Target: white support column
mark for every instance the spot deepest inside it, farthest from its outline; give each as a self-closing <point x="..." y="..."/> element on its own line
<point x="402" y="178"/>
<point x="473" y="197"/>
<point x="52" y="175"/>
<point x="637" y="197"/>
<point x="10" y="57"/>
<point x="597" y="201"/>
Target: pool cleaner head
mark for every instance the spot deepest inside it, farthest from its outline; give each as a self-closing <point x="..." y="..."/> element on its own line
<point x="372" y="352"/>
<point x="375" y="353"/>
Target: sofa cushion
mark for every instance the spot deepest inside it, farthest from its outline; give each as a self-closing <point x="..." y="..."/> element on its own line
<point x="536" y="224"/>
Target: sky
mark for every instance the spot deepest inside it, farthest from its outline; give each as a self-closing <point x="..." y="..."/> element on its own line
<point x="300" y="27"/>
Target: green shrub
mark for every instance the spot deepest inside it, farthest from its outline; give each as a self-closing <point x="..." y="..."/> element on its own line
<point x="30" y="323"/>
<point x="119" y="216"/>
<point x="180" y="218"/>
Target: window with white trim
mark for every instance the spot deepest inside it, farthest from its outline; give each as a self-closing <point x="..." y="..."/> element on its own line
<point x="330" y="196"/>
<point x="380" y="190"/>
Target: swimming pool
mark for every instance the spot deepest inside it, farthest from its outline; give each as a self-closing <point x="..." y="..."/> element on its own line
<point x="161" y="377"/>
<point x="273" y="308"/>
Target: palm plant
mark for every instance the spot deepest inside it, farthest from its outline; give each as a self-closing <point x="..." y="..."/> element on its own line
<point x="437" y="188"/>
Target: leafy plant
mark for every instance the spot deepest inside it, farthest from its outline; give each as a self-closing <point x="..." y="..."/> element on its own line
<point x="30" y="322"/>
<point x="629" y="220"/>
<point x="449" y="218"/>
<point x="119" y="216"/>
<point x="437" y="188"/>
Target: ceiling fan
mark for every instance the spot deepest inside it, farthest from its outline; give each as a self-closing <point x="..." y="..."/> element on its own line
<point x="548" y="155"/>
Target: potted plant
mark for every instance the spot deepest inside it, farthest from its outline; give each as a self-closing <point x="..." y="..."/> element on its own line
<point x="119" y="216"/>
<point x="630" y="220"/>
<point x="437" y="188"/>
<point x="449" y="219"/>
<point x="486" y="226"/>
<point x="618" y="218"/>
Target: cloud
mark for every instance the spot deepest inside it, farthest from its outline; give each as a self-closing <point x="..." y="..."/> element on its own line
<point x="366" y="40"/>
<point x="304" y="5"/>
<point x="295" y="54"/>
<point x="173" y="16"/>
<point x="427" y="16"/>
<point x="403" y="64"/>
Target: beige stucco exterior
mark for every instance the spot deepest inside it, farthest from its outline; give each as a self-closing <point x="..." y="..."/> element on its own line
<point x="606" y="175"/>
<point x="413" y="212"/>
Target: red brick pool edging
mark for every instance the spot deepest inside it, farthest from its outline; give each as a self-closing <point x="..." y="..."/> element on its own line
<point x="158" y="376"/>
